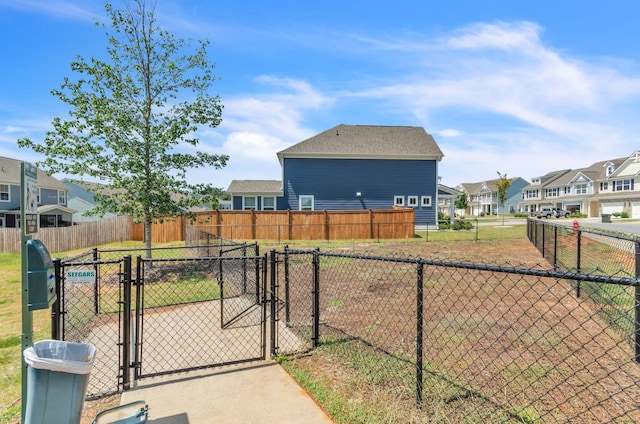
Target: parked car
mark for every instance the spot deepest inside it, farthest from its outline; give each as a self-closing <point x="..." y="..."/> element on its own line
<point x="544" y="213"/>
<point x="561" y="213"/>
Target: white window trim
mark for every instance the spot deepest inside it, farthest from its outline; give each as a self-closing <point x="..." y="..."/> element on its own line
<point x="62" y="197"/>
<point x="304" y="196"/>
<point x="274" y="203"/>
<point x="255" y="203"/>
<point x="8" y="193"/>
<point x="412" y="201"/>
<point x="425" y="201"/>
<point x="398" y="200"/>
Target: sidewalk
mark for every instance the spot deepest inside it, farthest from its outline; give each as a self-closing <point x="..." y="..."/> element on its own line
<point x="258" y="392"/>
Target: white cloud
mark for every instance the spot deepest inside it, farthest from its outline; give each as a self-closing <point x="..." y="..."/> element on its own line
<point x="56" y="8"/>
<point x="449" y="132"/>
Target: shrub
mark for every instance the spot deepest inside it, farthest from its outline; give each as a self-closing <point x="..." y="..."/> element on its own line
<point x="624" y="214"/>
<point x="458" y="224"/>
<point x="461" y="224"/>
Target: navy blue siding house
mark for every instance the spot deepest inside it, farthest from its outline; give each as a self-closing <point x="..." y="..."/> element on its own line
<point x="351" y="167"/>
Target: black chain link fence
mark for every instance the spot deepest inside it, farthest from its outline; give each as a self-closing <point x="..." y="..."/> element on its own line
<point x="575" y="249"/>
<point x="87" y="311"/>
<point x="469" y="342"/>
<point x="465" y="342"/>
<point x="91" y="309"/>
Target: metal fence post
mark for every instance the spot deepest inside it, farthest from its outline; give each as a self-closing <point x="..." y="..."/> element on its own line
<point x="273" y="299"/>
<point x="477" y="229"/>
<point x="287" y="306"/>
<point x="55" y="308"/>
<point x="578" y="258"/>
<point x="138" y="316"/>
<point x="637" y="303"/>
<point x="315" y="337"/>
<point x="419" y="329"/>
<point x="555" y="247"/>
<point x="257" y="253"/>
<point x="126" y="323"/>
<point x="544" y="239"/>
<point x="96" y="289"/>
<point x="244" y="268"/>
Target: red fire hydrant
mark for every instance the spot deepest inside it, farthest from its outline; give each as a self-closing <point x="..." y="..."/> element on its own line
<point x="576" y="224"/>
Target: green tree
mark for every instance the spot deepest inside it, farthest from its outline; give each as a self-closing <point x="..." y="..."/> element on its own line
<point x="503" y="186"/>
<point x="133" y="120"/>
<point x="462" y="201"/>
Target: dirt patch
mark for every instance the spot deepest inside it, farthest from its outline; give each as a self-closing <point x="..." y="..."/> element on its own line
<point x="498" y="346"/>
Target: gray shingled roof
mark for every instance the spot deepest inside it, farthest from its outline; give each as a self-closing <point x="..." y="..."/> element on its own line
<point x="594" y="172"/>
<point x="547" y="179"/>
<point x="367" y="141"/>
<point x="476" y="188"/>
<point x="10" y="174"/>
<point x="255" y="187"/>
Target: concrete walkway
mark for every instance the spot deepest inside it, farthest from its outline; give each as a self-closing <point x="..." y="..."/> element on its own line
<point x="257" y="392"/>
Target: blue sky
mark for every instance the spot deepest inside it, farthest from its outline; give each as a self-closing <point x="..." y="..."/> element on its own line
<point x="520" y="87"/>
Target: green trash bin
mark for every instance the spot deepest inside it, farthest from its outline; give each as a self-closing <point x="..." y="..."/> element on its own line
<point x="57" y="379"/>
<point x="606" y="217"/>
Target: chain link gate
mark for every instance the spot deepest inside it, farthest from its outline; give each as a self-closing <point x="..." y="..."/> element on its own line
<point x="194" y="313"/>
<point x="89" y="310"/>
<point x="159" y="316"/>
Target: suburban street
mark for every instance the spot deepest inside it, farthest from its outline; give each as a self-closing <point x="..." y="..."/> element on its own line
<point x="621" y="226"/>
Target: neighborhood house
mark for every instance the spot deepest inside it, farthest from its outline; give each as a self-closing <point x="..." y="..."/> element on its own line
<point x="605" y="187"/>
<point x="351" y="167"/>
<point x="53" y="210"/>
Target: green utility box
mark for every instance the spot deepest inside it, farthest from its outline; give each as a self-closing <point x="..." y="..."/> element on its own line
<point x="57" y="377"/>
<point x="40" y="276"/>
<point x="606" y="217"/>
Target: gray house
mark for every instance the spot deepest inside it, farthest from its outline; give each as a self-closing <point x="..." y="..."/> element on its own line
<point x="483" y="197"/>
<point x="53" y="210"/>
<point x="350" y="167"/>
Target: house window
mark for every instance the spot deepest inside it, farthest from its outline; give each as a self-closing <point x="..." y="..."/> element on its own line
<point x="268" y="203"/>
<point x="306" y="203"/>
<point x="412" y="201"/>
<point x="533" y="194"/>
<point x="62" y="197"/>
<point x="4" y="192"/>
<point x="609" y="170"/>
<point x="581" y="189"/>
<point x="39" y="196"/>
<point x="398" y="200"/>
<point x="425" y="201"/>
<point x="623" y="185"/>
<point x="567" y="190"/>
<point x="249" y="203"/>
<point x="552" y="192"/>
<point x="604" y="186"/>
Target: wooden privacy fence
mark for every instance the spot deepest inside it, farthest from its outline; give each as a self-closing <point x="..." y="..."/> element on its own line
<point x="287" y="225"/>
<point x="81" y="236"/>
<point x="238" y="225"/>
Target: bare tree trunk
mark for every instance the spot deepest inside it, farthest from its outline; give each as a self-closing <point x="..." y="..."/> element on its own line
<point x="147" y="237"/>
